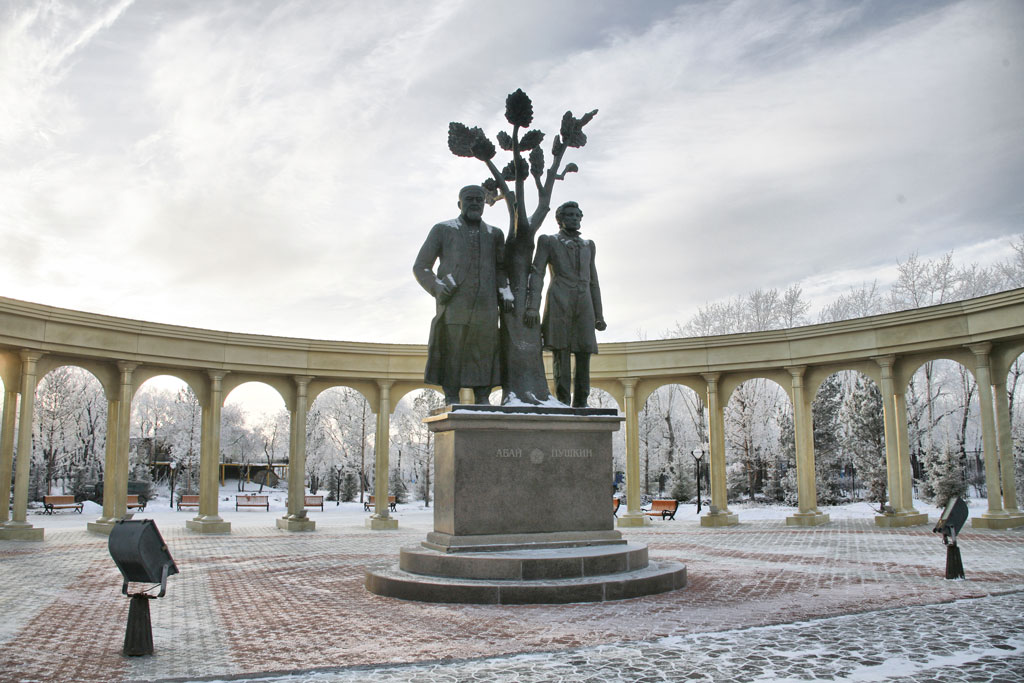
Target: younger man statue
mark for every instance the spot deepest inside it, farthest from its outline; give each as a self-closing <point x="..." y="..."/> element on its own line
<point x="573" y="306"/>
<point x="469" y="286"/>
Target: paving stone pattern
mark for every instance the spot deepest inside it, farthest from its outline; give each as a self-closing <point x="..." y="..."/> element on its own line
<point x="969" y="641"/>
<point x="263" y="601"/>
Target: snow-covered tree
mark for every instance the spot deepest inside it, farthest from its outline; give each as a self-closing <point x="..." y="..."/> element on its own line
<point x="864" y="437"/>
<point x="69" y="428"/>
<point x="826" y="413"/>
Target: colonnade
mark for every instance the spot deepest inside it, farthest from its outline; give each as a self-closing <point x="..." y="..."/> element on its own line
<point x="985" y="335"/>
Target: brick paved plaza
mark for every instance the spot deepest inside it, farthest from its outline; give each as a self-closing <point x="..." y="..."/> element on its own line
<point x="265" y="601"/>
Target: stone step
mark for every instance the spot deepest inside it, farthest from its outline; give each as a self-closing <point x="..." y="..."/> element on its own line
<point x="656" y="577"/>
<point x="526" y="564"/>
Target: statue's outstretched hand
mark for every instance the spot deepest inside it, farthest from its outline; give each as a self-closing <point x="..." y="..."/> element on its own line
<point x="600" y="326"/>
<point x="531" y="318"/>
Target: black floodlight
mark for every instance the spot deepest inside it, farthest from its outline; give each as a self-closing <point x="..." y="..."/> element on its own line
<point x="952" y="518"/>
<point x="140" y="553"/>
<point x="950" y="522"/>
<point x="141" y="556"/>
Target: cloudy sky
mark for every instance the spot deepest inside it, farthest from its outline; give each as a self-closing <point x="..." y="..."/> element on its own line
<point x="273" y="167"/>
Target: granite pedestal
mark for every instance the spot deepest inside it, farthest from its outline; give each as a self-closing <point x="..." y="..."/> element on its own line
<point x="523" y="514"/>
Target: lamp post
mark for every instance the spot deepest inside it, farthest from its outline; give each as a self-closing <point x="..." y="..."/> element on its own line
<point x="172" y="464"/>
<point x="698" y="455"/>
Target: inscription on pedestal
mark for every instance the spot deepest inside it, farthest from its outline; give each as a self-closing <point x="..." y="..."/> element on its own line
<point x="522" y="474"/>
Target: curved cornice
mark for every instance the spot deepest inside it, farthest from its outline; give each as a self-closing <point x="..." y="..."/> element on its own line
<point x="932" y="332"/>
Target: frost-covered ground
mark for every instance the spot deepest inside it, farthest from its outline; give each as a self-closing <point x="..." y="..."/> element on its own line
<point x="969" y="641"/>
<point x="843" y="601"/>
<point x="415" y="512"/>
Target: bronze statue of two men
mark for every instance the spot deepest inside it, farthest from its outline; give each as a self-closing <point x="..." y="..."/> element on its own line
<point x="471" y="286"/>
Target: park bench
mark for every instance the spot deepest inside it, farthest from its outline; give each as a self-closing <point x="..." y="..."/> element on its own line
<point x="51" y="503"/>
<point x="188" y="502"/>
<point x="311" y="502"/>
<point x="138" y="504"/>
<point x="249" y="501"/>
<point x="615" y="507"/>
<point x="664" y="508"/>
<point x="368" y="505"/>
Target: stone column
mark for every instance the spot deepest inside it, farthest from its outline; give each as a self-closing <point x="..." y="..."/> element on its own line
<point x="892" y="435"/>
<point x="718" y="514"/>
<point x="118" y="480"/>
<point x="7" y="449"/>
<point x="209" y="521"/>
<point x="899" y="480"/>
<point x="380" y="519"/>
<point x="633" y="516"/>
<point x="1005" y="441"/>
<point x="995" y="517"/>
<point x="17" y="528"/>
<point x="295" y="518"/>
<point x="107" y="518"/>
<point x="808" y="513"/>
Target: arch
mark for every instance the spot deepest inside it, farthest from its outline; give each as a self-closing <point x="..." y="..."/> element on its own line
<point x="752" y="432"/>
<point x="840" y="457"/>
<point x="601" y="398"/>
<point x="399" y="390"/>
<point x="339" y="438"/>
<point x="948" y="432"/>
<point x="71" y="437"/>
<point x="198" y="382"/>
<point x="670" y="429"/>
<point x="728" y="383"/>
<point x="284" y="385"/>
<point x="157" y="397"/>
<point x="814" y="376"/>
<point x="412" y="453"/>
<point x="275" y="387"/>
<point x="645" y="388"/>
<point x="369" y="390"/>
<point x="408" y="398"/>
<point x="10" y="369"/>
<point x="106" y="374"/>
<point x="1004" y="355"/>
<point x="613" y="388"/>
<point x="907" y="366"/>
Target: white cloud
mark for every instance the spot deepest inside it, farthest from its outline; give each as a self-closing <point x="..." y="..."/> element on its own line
<point x="273" y="167"/>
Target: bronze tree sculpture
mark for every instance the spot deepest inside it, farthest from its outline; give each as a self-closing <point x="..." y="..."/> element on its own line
<point x="523" y="377"/>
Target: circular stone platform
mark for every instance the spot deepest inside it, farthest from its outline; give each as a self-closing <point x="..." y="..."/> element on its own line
<point x="526" y="576"/>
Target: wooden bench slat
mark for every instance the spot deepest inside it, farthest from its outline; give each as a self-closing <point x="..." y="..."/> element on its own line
<point x="310" y="501"/>
<point x="252" y="501"/>
<point x="51" y="503"/>
<point x="664" y="508"/>
<point x="188" y="501"/>
<point x="369" y="504"/>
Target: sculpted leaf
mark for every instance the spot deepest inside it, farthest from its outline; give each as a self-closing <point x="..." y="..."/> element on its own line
<point x="490" y="186"/>
<point x="519" y="109"/>
<point x="509" y="172"/>
<point x="531" y="140"/>
<point x="483" y="149"/>
<point x="524" y="168"/>
<point x="505" y="140"/>
<point x="572" y="131"/>
<point x="571" y="168"/>
<point x="461" y="139"/>
<point x="537" y="162"/>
